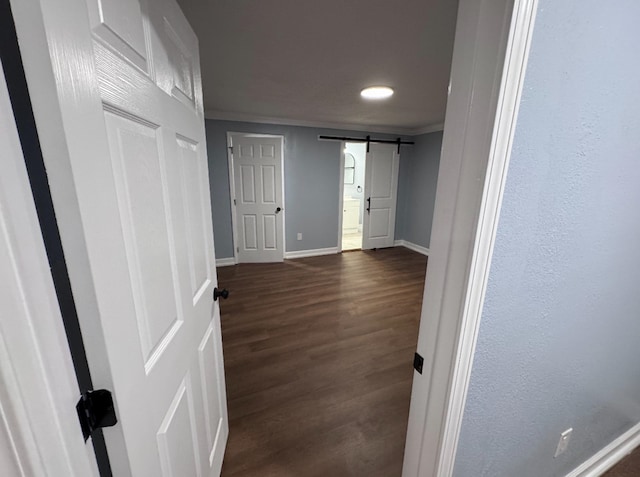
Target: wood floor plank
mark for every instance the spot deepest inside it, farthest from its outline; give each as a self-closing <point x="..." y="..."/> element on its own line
<point x="318" y="362"/>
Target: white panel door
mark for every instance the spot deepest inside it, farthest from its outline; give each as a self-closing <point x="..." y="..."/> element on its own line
<point x="257" y="177"/>
<point x="381" y="192"/>
<point x="143" y="193"/>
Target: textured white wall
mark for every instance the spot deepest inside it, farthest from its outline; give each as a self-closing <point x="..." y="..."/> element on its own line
<point x="558" y="342"/>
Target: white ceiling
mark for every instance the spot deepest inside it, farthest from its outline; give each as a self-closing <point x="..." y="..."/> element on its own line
<point x="305" y="62"/>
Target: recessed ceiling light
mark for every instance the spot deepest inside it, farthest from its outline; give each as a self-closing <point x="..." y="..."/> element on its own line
<point x="376" y="92"/>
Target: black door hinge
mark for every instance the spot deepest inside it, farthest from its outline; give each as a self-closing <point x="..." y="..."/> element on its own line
<point x="95" y="410"/>
<point x="418" y="361"/>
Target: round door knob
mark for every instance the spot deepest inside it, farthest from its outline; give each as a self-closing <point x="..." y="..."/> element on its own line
<point x="224" y="293"/>
<point x="278" y="209"/>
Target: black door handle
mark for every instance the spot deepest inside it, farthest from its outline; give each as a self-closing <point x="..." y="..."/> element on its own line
<point x="224" y="293"/>
<point x="278" y="210"/>
<point x="369" y="205"/>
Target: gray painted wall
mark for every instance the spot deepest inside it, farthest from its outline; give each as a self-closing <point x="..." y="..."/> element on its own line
<point x="312" y="182"/>
<point x="417" y="182"/>
<point x="558" y="341"/>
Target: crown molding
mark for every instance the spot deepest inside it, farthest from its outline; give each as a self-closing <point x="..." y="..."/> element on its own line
<point x="428" y="129"/>
<point x="250" y="118"/>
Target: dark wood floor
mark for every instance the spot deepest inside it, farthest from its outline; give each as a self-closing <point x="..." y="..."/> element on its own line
<point x="318" y="361"/>
<point x="627" y="467"/>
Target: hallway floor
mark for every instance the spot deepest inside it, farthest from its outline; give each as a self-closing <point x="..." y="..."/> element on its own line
<point x="318" y="362"/>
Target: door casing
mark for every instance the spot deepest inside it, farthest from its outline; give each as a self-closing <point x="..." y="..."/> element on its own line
<point x="489" y="61"/>
<point x="38" y="387"/>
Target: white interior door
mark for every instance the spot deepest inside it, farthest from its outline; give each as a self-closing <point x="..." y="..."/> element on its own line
<point x="381" y="194"/>
<point x="259" y="201"/>
<point x="130" y="97"/>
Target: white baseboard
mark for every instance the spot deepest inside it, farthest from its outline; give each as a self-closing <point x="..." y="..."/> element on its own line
<point x="311" y="253"/>
<point x="225" y="262"/>
<point x="411" y="246"/>
<point x="602" y="461"/>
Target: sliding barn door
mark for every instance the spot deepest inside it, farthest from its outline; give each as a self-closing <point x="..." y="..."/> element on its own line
<point x="381" y="194"/>
<point x="129" y="85"/>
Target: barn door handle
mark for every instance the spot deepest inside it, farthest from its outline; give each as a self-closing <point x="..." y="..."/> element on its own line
<point x="278" y="209"/>
<point x="369" y="205"/>
<point x="224" y="293"/>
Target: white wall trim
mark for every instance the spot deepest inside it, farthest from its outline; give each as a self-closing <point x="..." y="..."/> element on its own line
<point x="252" y="118"/>
<point x="610" y="455"/>
<point x="225" y="262"/>
<point x="311" y="253"/>
<point x="411" y="246"/>
<point x="515" y="63"/>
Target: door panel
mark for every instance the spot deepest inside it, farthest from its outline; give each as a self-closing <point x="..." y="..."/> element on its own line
<point x="269" y="232"/>
<point x="213" y="393"/>
<point x="177" y="436"/>
<point x="143" y="194"/>
<point x="248" y="184"/>
<point x="137" y="167"/>
<point x="268" y="184"/>
<point x="120" y="23"/>
<point x="250" y="230"/>
<point x="381" y="175"/>
<point x="257" y="176"/>
<point x="379" y="223"/>
<point x="192" y="169"/>
<point x="381" y="186"/>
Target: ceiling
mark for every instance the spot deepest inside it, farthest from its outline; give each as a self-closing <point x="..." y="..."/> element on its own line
<point x="305" y="62"/>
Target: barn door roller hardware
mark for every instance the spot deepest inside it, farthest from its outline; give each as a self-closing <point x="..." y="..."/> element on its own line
<point x="368" y="140"/>
<point x="95" y="411"/>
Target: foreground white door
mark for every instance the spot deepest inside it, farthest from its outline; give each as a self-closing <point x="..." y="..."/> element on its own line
<point x="259" y="202"/>
<point x="129" y="92"/>
<point x="381" y="194"/>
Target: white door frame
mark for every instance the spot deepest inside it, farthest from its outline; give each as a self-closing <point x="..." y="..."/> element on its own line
<point x="489" y="62"/>
<point x="232" y="190"/>
<point x="38" y="388"/>
<point x="343" y="145"/>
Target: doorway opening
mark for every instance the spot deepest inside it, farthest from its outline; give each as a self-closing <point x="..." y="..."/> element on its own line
<point x="355" y="158"/>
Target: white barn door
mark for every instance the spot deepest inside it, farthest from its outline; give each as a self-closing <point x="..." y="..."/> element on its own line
<point x="381" y="195"/>
<point x="129" y="89"/>
<point x="258" y="201"/>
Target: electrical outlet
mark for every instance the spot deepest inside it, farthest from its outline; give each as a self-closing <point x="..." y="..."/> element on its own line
<point x="563" y="443"/>
<point x="299" y="236"/>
